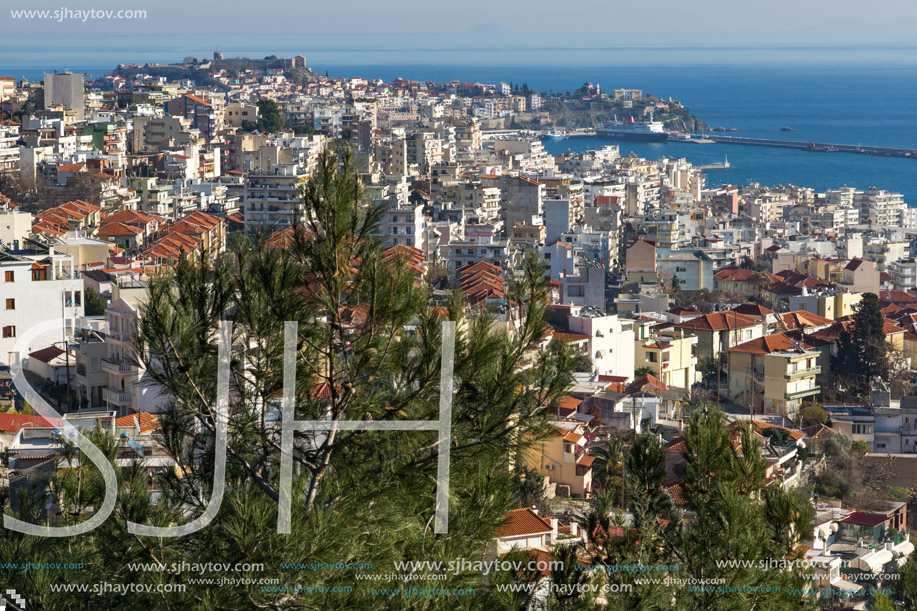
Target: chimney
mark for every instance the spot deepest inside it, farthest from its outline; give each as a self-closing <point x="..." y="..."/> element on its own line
<point x="574" y="528"/>
<point x="535" y="509"/>
<point x="554" y="529"/>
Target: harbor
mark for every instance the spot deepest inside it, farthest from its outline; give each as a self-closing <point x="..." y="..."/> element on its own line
<point x="816" y="147"/>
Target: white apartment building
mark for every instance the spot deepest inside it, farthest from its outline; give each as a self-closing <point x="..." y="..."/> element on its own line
<point x="879" y="208"/>
<point x="9" y="150"/>
<point x="36" y="287"/>
<point x="611" y="340"/>
<point x="402" y="225"/>
<point x="129" y="389"/>
<point x="272" y="199"/>
<point x="904" y="274"/>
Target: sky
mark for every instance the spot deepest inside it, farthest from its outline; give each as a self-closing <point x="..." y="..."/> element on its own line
<point x="381" y="21"/>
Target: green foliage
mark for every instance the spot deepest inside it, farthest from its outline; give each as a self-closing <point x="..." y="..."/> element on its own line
<point x="812" y="414"/>
<point x="93" y="304"/>
<point x="862" y="351"/>
<point x="904" y="589"/>
<point x="777" y="436"/>
<point x="270" y="116"/>
<point x="236" y="240"/>
<point x="849" y="476"/>
<point x="582" y="362"/>
<point x="358" y="496"/>
<point x="736" y="517"/>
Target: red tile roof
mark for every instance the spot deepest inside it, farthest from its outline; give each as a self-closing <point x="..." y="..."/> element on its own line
<point x="12" y="423"/>
<point x="801" y="319"/>
<point x="861" y="518"/>
<point x="769" y="344"/>
<point x="521" y="522"/>
<point x="719" y="321"/>
<point x="147" y="422"/>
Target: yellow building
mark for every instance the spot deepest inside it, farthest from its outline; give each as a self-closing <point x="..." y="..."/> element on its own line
<point x="562" y="458"/>
<point x="829" y="270"/>
<point x="773" y="374"/>
<point x="671" y="357"/>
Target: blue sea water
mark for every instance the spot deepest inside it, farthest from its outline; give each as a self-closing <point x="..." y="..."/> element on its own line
<point x="833" y="94"/>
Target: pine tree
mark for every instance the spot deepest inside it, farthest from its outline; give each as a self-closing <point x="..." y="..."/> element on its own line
<point x="862" y="350"/>
<point x="364" y="497"/>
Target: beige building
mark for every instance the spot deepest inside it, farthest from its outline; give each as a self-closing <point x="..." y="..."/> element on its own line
<point x="722" y="330"/>
<point x="773" y="374"/>
<point x="640" y="263"/>
<point x="562" y="459"/>
<point x="671" y="357"/>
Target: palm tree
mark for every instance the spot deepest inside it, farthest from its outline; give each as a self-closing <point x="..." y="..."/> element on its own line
<point x="608" y="468"/>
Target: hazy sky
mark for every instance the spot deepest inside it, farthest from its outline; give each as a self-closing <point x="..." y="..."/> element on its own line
<point x="681" y="20"/>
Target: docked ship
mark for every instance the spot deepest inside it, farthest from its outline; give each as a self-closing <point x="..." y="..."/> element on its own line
<point x="651" y="131"/>
<point x="555" y="134"/>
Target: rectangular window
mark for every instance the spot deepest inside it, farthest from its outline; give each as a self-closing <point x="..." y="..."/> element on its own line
<point x="10" y="304"/>
<point x="651" y="357"/>
<point x="9" y="331"/>
<point x="9" y="275"/>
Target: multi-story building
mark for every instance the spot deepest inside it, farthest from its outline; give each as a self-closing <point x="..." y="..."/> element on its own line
<point x="904" y="274"/>
<point x="272" y="198"/>
<point x="402" y="225"/>
<point x="9" y="147"/>
<point x="65" y="89"/>
<point x="90" y="380"/>
<point x="562" y="458"/>
<point x="773" y="374"/>
<point x="722" y="330"/>
<point x="584" y="288"/>
<point x="671" y="357"/>
<point x="37" y="287"/>
<point x="494" y="251"/>
<point x="611" y="340"/>
<point x="879" y="208"/>
<point x="200" y="112"/>
<point x="129" y="389"/>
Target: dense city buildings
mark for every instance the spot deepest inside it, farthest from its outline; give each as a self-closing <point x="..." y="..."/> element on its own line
<point x="671" y="297"/>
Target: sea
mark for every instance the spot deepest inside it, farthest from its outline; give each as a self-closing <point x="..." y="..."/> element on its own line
<point x="844" y="94"/>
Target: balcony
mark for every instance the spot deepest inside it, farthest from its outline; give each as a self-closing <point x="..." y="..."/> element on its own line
<point x="799" y="394"/>
<point x="123" y="337"/>
<point x="803" y="373"/>
<point x="117" y="398"/>
<point x="118" y="367"/>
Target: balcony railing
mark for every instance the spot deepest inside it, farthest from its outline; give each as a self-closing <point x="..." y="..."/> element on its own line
<point x="117" y="397"/>
<point x="803" y="393"/>
<point x="803" y="373"/>
<point x="118" y="367"/>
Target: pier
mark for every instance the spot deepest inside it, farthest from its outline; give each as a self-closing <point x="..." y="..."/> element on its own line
<point x="716" y="166"/>
<point x="818" y="147"/>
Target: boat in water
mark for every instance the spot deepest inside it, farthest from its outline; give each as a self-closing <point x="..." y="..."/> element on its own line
<point x="555" y="134"/>
<point x="650" y="131"/>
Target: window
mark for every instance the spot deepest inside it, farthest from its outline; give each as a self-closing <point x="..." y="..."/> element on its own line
<point x="9" y="275"/>
<point x="568" y="448"/>
<point x="9" y="331"/>
<point x="651" y="357"/>
<point x="95" y="364"/>
<point x="582" y="470"/>
<point x="10" y="304"/>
